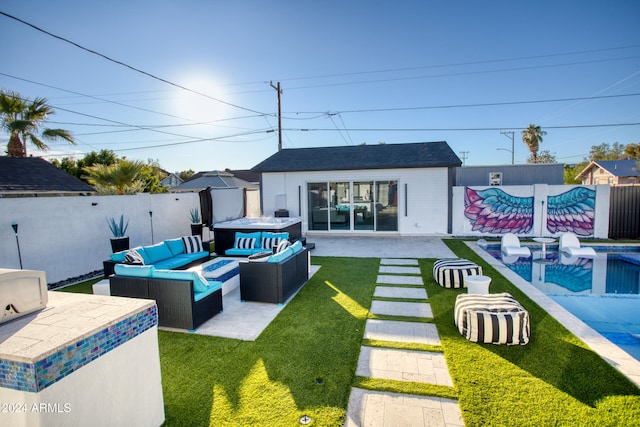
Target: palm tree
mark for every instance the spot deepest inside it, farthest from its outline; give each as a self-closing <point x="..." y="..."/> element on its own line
<point x="532" y="136"/>
<point x="23" y="121"/>
<point x="123" y="177"/>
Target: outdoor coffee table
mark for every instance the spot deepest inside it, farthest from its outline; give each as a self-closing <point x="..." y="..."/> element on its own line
<point x="225" y="270"/>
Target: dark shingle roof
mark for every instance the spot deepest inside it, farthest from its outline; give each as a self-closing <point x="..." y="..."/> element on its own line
<point x="30" y="175"/>
<point x="620" y="167"/>
<point x="357" y="157"/>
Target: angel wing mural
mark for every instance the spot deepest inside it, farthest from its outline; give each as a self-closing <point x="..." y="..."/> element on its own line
<point x="494" y="211"/>
<point x="573" y="211"/>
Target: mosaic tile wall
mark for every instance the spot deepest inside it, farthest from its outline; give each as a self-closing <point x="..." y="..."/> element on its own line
<point x="32" y="377"/>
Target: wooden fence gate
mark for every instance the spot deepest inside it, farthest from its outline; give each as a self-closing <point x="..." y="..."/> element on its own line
<point x="624" y="212"/>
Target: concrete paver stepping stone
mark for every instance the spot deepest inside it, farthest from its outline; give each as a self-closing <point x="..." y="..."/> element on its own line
<point x="398" y="261"/>
<point x="397" y="308"/>
<point x="397" y="292"/>
<point x="400" y="280"/>
<point x="394" y="269"/>
<point x="383" y="409"/>
<point x="393" y="330"/>
<point x="404" y="365"/>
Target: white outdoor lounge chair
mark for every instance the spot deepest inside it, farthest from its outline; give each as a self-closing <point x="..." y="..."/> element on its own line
<point x="570" y="244"/>
<point x="510" y="246"/>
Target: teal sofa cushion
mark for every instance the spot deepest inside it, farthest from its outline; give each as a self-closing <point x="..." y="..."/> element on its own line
<point x="157" y="252"/>
<point x="119" y="256"/>
<point x="200" y="284"/>
<point x="296" y="247"/>
<point x="143" y="254"/>
<point x="134" y="270"/>
<point x="176" y="246"/>
<point x="242" y="252"/>
<point x="213" y="286"/>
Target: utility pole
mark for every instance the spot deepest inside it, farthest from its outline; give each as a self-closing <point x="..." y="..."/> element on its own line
<point x="463" y="155"/>
<point x="506" y="133"/>
<point x="277" y="88"/>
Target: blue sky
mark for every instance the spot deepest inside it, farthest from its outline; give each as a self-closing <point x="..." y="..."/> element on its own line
<point x="351" y="72"/>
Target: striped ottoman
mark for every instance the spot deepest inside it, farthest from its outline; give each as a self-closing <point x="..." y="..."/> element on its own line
<point x="491" y="318"/>
<point x="450" y="273"/>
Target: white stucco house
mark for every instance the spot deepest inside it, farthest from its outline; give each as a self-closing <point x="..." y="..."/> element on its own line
<point x="402" y="189"/>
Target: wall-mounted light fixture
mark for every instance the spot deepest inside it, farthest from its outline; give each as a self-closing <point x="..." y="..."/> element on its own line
<point x="94" y="203"/>
<point x="15" y="230"/>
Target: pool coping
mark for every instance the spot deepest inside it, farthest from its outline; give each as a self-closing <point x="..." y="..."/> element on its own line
<point x="607" y="350"/>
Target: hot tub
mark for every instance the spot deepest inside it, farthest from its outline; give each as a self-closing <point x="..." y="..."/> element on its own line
<point x="224" y="232"/>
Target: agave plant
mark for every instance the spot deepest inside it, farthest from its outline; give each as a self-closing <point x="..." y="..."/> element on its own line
<point x="194" y="214"/>
<point x="118" y="229"/>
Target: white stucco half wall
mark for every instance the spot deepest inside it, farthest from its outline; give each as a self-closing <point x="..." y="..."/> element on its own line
<point x="423" y="195"/>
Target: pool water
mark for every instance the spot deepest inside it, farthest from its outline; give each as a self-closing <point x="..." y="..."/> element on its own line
<point x="604" y="292"/>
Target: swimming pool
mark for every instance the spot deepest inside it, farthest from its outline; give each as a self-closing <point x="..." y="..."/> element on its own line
<point x="602" y="292"/>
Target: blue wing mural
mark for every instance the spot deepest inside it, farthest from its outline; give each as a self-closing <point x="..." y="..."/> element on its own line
<point x="572" y="211"/>
<point x="494" y="211"/>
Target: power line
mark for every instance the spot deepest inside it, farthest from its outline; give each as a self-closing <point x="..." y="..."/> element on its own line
<point x="455" y="129"/>
<point x="421" y="67"/>
<point x="483" y="104"/>
<point x="115" y="61"/>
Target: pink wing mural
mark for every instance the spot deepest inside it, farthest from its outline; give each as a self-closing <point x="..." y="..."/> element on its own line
<point x="573" y="211"/>
<point x="494" y="211"/>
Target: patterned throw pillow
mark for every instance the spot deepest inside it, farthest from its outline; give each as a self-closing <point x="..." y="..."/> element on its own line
<point x="245" y="243"/>
<point x="259" y="257"/>
<point x="270" y="242"/>
<point x="192" y="244"/>
<point x="133" y="257"/>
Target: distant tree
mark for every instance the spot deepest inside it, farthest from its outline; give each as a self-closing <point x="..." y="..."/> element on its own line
<point x="545" y="156"/>
<point x="122" y="177"/>
<point x="185" y="175"/>
<point x="24" y="121"/>
<point x="152" y="175"/>
<point x="104" y="157"/>
<point x="75" y="167"/>
<point x="532" y="137"/>
<point x="632" y="151"/>
<point x="605" y="151"/>
<point x="572" y="171"/>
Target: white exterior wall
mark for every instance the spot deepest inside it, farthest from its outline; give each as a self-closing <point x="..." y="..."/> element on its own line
<point x="69" y="236"/>
<point x="426" y="205"/>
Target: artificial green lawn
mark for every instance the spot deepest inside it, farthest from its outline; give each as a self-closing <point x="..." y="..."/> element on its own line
<point x="304" y="363"/>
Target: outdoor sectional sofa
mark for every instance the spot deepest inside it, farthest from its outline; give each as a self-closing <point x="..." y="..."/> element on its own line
<point x="246" y="244"/>
<point x="184" y="299"/>
<point x="277" y="278"/>
<point x="180" y="253"/>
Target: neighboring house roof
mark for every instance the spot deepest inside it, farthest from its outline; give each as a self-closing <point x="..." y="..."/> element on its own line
<point x="212" y="179"/>
<point x="357" y="157"/>
<point x="245" y="175"/>
<point x="34" y="175"/>
<point x="171" y="180"/>
<point x="614" y="167"/>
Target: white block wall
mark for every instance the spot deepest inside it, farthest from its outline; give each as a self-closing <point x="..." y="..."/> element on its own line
<point x="69" y="236"/>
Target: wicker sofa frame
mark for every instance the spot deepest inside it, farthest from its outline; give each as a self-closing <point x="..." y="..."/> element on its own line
<point x="174" y="298"/>
<point x="274" y="282"/>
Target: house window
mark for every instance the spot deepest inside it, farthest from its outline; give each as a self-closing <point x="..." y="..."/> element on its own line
<point x="353" y="205"/>
<point x="495" y="178"/>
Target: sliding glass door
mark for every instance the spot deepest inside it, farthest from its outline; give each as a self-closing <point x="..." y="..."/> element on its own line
<point x="353" y="206"/>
